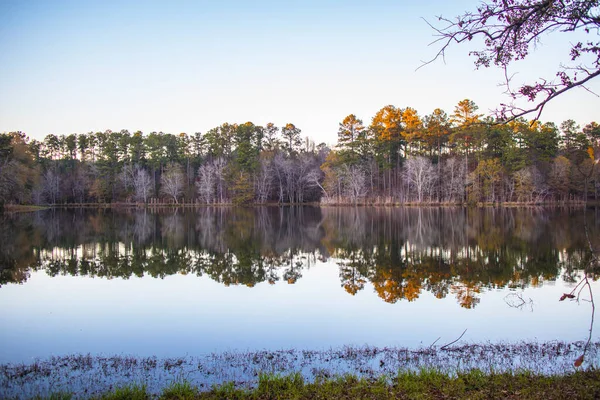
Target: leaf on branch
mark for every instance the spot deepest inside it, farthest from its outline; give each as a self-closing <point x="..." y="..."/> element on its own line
<point x="566" y="296"/>
<point x="579" y="361"/>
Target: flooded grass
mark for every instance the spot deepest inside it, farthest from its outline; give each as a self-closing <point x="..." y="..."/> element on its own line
<point x="426" y="384"/>
<point x="293" y="371"/>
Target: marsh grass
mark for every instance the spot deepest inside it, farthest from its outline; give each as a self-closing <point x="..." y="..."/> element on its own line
<point x="423" y="384"/>
<point x="180" y="391"/>
<point x="129" y="392"/>
<point x="292" y="384"/>
<point x="344" y="371"/>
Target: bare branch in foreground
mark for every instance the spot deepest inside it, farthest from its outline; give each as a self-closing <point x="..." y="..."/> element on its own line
<point x="511" y="30"/>
<point x="444" y="347"/>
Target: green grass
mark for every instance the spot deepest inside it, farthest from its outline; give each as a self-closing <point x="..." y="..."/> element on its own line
<point x="180" y="391"/>
<point x="55" y="396"/>
<point x="425" y="384"/>
<point x="132" y="392"/>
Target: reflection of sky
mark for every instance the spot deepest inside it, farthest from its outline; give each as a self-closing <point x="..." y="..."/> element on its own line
<point x="188" y="315"/>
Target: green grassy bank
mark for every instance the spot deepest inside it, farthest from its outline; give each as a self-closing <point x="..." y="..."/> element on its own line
<point x="427" y="384"/>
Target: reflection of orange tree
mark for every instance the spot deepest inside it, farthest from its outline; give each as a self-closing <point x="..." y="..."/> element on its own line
<point x="352" y="280"/>
<point x="354" y="268"/>
<point x="393" y="284"/>
<point x="466" y="294"/>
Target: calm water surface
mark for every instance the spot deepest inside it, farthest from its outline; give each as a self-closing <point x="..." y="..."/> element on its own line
<point x="182" y="282"/>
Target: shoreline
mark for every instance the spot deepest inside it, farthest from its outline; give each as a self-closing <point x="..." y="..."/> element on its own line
<point x="241" y="371"/>
<point x="12" y="208"/>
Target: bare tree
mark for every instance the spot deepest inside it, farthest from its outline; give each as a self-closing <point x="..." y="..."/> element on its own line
<point x="453" y="180"/>
<point x="80" y="184"/>
<point x="530" y="185"/>
<point x="126" y="177"/>
<point x="560" y="178"/>
<point x="314" y="177"/>
<point x="172" y="181"/>
<point x="220" y="165"/>
<point x="291" y="174"/>
<point x="211" y="184"/>
<point x="51" y="185"/>
<point x="142" y="184"/>
<point x="355" y="183"/>
<point x="206" y="182"/>
<point x="421" y="176"/>
<point x="279" y="167"/>
<point x="264" y="180"/>
<point x="306" y="169"/>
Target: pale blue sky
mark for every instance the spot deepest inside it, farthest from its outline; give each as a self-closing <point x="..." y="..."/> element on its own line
<point x="79" y="66"/>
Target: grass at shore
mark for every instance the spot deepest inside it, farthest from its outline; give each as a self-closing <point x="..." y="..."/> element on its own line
<point x="427" y="384"/>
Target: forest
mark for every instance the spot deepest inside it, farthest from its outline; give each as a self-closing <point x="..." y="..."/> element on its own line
<point x="401" y="157"/>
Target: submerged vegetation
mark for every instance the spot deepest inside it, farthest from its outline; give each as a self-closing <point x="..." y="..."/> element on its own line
<point x="522" y="370"/>
<point x="400" y="157"/>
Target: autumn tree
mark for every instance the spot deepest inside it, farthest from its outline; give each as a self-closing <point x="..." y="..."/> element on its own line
<point x="350" y="133"/>
<point x="412" y="131"/>
<point x="436" y="133"/>
<point x="386" y="128"/>
<point x="291" y="137"/>
<point x="466" y="123"/>
<point x="271" y="141"/>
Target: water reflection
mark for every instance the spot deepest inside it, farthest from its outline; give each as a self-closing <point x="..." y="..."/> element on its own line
<point x="402" y="252"/>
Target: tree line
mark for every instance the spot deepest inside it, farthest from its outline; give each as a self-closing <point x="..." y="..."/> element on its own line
<point x="400" y="157"/>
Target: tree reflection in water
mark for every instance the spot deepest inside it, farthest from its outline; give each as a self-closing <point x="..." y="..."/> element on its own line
<point x="401" y="252"/>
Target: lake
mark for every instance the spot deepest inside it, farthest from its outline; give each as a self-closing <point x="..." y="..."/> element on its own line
<point x="183" y="282"/>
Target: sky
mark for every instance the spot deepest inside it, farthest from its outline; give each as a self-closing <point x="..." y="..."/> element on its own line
<point x="189" y="66"/>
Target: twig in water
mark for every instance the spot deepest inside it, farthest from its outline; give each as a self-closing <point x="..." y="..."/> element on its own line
<point x="454" y="341"/>
<point x="516" y="300"/>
